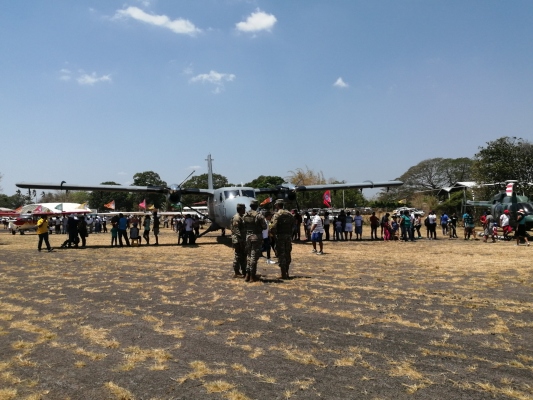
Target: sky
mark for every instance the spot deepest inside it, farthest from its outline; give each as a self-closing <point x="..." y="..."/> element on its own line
<point x="98" y="90"/>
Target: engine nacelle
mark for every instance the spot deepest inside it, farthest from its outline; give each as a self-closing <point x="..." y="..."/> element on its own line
<point x="174" y="194"/>
<point x="286" y="194"/>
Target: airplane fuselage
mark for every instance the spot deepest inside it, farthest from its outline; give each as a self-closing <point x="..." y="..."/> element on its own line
<point x="222" y="205"/>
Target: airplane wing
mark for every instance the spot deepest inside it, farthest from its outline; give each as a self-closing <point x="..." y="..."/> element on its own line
<point x="333" y="186"/>
<point x="114" y="188"/>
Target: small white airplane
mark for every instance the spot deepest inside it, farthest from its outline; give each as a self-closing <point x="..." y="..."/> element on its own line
<point x="221" y="202"/>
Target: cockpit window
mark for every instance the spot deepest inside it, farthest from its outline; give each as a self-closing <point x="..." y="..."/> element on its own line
<point x="230" y="194"/>
<point x="248" y="193"/>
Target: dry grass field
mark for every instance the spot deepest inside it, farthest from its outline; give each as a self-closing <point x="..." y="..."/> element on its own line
<point x="368" y="320"/>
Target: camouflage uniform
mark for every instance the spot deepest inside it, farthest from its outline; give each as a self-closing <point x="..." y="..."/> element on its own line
<point x="282" y="224"/>
<point x="254" y="224"/>
<point x="238" y="238"/>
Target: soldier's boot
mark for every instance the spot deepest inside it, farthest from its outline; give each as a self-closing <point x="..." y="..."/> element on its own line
<point x="247" y="277"/>
<point x="254" y="278"/>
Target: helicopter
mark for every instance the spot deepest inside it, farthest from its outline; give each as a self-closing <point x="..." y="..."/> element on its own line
<point x="508" y="200"/>
<point x="221" y="202"/>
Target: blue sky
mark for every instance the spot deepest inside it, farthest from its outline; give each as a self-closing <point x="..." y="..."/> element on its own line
<point x="94" y="91"/>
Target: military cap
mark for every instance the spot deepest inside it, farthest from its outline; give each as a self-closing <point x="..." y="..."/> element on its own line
<point x="240" y="205"/>
<point x="279" y="201"/>
<point x="254" y="202"/>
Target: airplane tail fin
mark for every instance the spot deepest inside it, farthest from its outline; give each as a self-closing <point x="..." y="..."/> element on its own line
<point x="209" y="172"/>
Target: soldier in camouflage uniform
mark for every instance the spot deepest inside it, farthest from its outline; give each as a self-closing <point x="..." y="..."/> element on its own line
<point x="254" y="224"/>
<point x="282" y="224"/>
<point x="238" y="238"/>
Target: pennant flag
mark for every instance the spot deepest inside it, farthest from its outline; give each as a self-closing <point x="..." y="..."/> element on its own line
<point x="402" y="201"/>
<point x="59" y="207"/>
<point x="18" y="210"/>
<point x="82" y="206"/>
<point x="143" y="204"/>
<point x="509" y="189"/>
<point x="38" y="209"/>
<point x="327" y="198"/>
<point x="151" y="207"/>
<point x="110" y="205"/>
<point x="266" y="201"/>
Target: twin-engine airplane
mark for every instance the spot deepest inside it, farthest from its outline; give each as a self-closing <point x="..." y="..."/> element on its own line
<point x="221" y="202"/>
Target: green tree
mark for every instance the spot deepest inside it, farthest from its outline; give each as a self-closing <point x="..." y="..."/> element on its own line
<point x="428" y="176"/>
<point x="123" y="200"/>
<point x="506" y="158"/>
<point x="149" y="178"/>
<point x="64" y="197"/>
<point x="263" y="181"/>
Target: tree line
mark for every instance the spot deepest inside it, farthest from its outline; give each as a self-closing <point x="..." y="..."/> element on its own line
<point x="499" y="160"/>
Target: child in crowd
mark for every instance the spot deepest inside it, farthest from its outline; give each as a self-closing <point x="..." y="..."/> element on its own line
<point x="394" y="228"/>
<point x="134" y="235"/>
<point x="114" y="235"/>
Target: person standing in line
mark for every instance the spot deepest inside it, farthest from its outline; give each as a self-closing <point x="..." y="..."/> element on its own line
<point x="358" y="220"/>
<point x="122" y="230"/>
<point x="42" y="231"/>
<point x="72" y="229"/>
<point x="281" y="228"/>
<point x="254" y="224"/>
<point x="505" y="224"/>
<point x="317" y="229"/>
<point x="64" y="225"/>
<point x="444" y="223"/>
<point x="488" y="228"/>
<point x="521" y="227"/>
<point x="326" y="225"/>
<point x="238" y="239"/>
<point x="114" y="235"/>
<point x="104" y="224"/>
<point x="155" y="228"/>
<point x="82" y="230"/>
<point x="432" y="224"/>
<point x="468" y="221"/>
<point x="298" y="223"/>
<point x="266" y="239"/>
<point x="407" y="232"/>
<point x="188" y="235"/>
<point x="348" y="226"/>
<point x="342" y="218"/>
<point x="418" y="225"/>
<point x="374" y="223"/>
<point x="146" y="231"/>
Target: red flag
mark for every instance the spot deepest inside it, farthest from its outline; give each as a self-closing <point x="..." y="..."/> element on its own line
<point x="327" y="198"/>
<point x="266" y="201"/>
<point x="110" y="205"/>
<point x="143" y="204"/>
<point x="38" y="209"/>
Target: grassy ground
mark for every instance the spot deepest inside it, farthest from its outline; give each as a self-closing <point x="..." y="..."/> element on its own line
<point x="445" y="319"/>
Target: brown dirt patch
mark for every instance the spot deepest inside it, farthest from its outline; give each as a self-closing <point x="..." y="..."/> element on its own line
<point x="429" y="320"/>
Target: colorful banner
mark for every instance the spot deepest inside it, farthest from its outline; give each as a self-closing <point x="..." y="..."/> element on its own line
<point x="327" y="198"/>
<point x="509" y="189"/>
<point x="110" y="205"/>
<point x="266" y="201"/>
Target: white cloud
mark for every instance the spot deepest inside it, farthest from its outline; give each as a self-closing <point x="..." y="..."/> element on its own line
<point x="257" y="21"/>
<point x="181" y="26"/>
<point x="86" y="79"/>
<point x="340" y="83"/>
<point x="215" y="78"/>
<point x="65" y="75"/>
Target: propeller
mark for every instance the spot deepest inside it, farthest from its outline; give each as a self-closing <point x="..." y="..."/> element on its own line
<point x="174" y="193"/>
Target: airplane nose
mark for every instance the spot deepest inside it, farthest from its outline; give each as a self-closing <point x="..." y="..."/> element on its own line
<point x="231" y="204"/>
